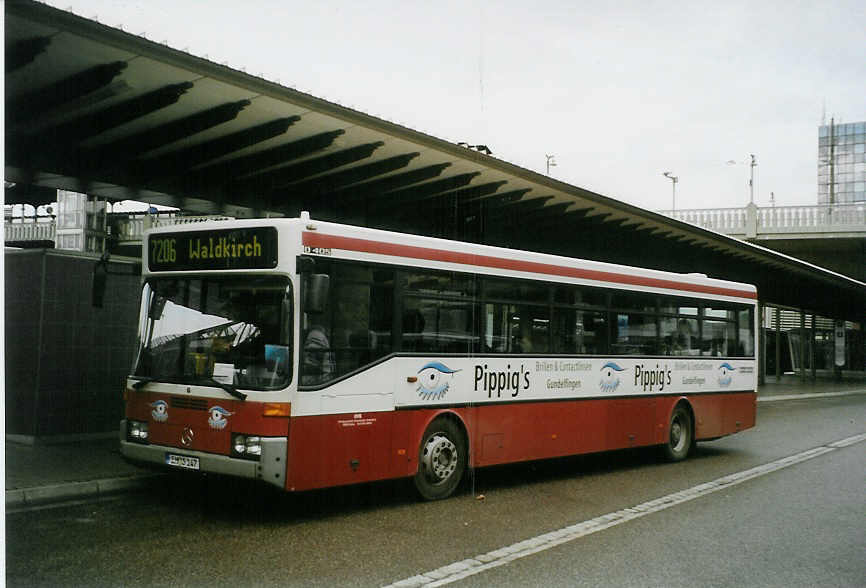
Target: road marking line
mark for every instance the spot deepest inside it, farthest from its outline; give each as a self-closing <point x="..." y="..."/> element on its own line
<point x="499" y="557"/>
<point x="809" y="396"/>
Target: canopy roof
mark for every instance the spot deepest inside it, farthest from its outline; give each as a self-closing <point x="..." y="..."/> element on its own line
<point x="94" y="109"/>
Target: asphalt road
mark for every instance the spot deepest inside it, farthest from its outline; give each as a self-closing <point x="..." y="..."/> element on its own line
<point x="802" y="525"/>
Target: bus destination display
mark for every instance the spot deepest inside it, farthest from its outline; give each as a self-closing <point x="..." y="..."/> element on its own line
<point x="224" y="249"/>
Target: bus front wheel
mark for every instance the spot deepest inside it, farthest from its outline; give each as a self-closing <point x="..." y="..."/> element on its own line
<point x="441" y="460"/>
<point x="680" y="435"/>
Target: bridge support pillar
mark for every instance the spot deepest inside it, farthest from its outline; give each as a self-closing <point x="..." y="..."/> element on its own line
<point x="751" y="221"/>
<point x="803" y="345"/>
<point x="778" y="344"/>
<point x="812" y="349"/>
<point x="761" y="352"/>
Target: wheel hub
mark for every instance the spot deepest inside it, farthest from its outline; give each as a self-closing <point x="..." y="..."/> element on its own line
<point x="439" y="458"/>
<point x="677" y="435"/>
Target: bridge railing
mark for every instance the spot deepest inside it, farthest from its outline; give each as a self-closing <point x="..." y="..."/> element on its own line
<point x="731" y="221"/>
<point x="127" y="228"/>
<point x="20" y="232"/>
<point x="821" y="218"/>
<point x="131" y="229"/>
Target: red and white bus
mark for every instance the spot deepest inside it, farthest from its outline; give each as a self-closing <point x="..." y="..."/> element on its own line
<point x="310" y="354"/>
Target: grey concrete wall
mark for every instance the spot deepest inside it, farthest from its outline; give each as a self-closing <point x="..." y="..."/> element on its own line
<point x="66" y="360"/>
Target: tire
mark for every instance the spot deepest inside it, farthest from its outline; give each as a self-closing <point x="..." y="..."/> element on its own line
<point x="441" y="460"/>
<point x="681" y="436"/>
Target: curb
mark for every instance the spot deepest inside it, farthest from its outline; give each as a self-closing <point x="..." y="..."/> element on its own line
<point x="37" y="496"/>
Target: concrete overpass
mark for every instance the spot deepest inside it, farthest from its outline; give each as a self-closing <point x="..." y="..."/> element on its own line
<point x="831" y="236"/>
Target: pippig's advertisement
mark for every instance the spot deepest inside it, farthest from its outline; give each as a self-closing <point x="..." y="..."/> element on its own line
<point x="451" y="380"/>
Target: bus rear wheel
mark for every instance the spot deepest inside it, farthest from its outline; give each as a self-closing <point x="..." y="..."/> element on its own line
<point x="441" y="460"/>
<point x="681" y="436"/>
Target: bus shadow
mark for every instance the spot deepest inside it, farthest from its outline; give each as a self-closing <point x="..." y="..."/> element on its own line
<point x="507" y="476"/>
<point x="238" y="500"/>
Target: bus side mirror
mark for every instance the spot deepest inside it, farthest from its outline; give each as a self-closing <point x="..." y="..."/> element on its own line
<point x="154" y="313"/>
<point x="316" y="292"/>
<point x="100" y="281"/>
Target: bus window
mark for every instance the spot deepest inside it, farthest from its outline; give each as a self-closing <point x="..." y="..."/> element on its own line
<point x="230" y="330"/>
<point x="516" y="290"/>
<point x="633" y="301"/>
<point x="679" y="336"/>
<point x="579" y="331"/>
<point x="678" y="306"/>
<point x="746" y="332"/>
<point x="317" y="360"/>
<point x="446" y="326"/>
<point x="446" y="284"/>
<point x="516" y="328"/>
<point x="719" y="338"/>
<point x="580" y="296"/>
<point x="534" y="328"/>
<point x="634" y="334"/>
<point x="354" y="328"/>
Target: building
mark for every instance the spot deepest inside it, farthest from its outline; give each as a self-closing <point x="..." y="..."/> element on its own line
<point x="842" y="163"/>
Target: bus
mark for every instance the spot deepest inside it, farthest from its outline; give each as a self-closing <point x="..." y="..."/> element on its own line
<point x="310" y="354"/>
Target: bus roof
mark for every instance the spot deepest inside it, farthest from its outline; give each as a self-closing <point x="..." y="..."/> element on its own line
<point x="380" y="246"/>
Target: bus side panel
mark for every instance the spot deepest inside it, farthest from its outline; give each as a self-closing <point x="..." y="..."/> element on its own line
<point x="335" y="450"/>
<point x="717" y="415"/>
<point x="303" y="466"/>
<point x="522" y="432"/>
<point x="631" y="422"/>
<point x="708" y="416"/>
<point x="740" y="412"/>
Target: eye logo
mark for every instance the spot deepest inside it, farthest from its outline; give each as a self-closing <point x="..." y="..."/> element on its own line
<point x="217" y="418"/>
<point x="610" y="377"/>
<point x="160" y="411"/>
<point x="433" y="380"/>
<point x="725" y="371"/>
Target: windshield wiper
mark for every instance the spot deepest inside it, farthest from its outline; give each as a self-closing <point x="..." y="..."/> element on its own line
<point x="142" y="382"/>
<point x="227" y="387"/>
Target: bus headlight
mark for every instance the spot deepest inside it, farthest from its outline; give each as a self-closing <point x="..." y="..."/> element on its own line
<point x="137" y="431"/>
<point x="246" y="446"/>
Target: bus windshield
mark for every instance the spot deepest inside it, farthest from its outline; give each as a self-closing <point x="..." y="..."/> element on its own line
<point x="224" y="331"/>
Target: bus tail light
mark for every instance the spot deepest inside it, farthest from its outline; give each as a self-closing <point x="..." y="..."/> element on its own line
<point x="277" y="409"/>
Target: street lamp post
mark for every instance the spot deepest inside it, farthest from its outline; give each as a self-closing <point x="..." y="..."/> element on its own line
<point x="753" y="163"/>
<point x="674" y="179"/>
<point x="550" y="162"/>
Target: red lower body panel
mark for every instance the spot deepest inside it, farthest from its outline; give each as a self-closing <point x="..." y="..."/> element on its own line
<point x="333" y="450"/>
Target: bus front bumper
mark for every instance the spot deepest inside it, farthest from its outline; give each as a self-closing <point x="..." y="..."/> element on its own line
<point x="270" y="468"/>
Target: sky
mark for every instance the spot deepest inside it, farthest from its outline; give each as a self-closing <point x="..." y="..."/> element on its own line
<point x="617" y="92"/>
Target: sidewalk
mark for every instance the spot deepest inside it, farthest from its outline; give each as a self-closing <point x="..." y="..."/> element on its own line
<point x="43" y="475"/>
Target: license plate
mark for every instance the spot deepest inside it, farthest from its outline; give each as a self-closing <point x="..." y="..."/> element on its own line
<point x="182" y="461"/>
